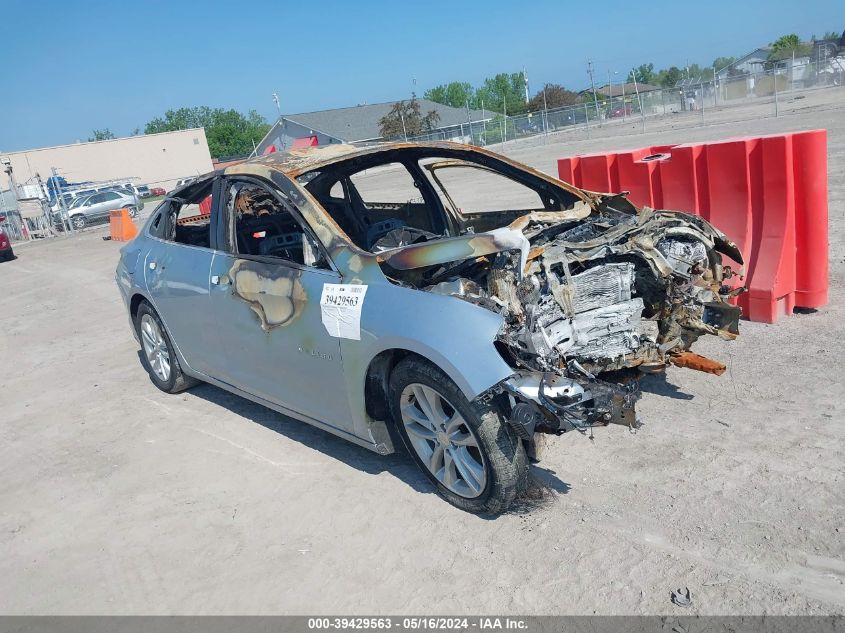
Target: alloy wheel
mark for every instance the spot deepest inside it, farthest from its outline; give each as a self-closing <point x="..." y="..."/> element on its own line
<point x="155" y="347"/>
<point x="443" y="440"/>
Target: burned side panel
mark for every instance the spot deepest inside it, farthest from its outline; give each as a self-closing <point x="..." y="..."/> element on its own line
<point x="274" y="293"/>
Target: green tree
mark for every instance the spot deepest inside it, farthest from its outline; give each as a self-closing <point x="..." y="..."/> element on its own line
<point x="668" y="77"/>
<point x="229" y="132"/>
<point x="556" y="96"/>
<point x="406" y="119"/>
<point x="456" y="94"/>
<point x="723" y="62"/>
<point x="644" y="73"/>
<point x="787" y="46"/>
<point x="694" y="72"/>
<point x="831" y="35"/>
<point x="101" y="135"/>
<point x="503" y="89"/>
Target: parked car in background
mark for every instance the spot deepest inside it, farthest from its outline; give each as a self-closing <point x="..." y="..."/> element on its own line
<point x="182" y="182"/>
<point x="85" y="211"/>
<point x="143" y="191"/>
<point x="6" y="252"/>
<point x="435" y="293"/>
<point x="158" y="191"/>
<point x="617" y="112"/>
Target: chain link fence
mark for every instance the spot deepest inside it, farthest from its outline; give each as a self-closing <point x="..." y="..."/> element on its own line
<point x="693" y="100"/>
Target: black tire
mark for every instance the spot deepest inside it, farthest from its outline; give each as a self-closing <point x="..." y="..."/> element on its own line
<point x="78" y="222"/>
<point x="504" y="456"/>
<point x="177" y="381"/>
<point x="133" y="212"/>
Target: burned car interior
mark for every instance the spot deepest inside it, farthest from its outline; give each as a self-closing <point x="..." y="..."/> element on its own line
<point x="181" y="219"/>
<point x="263" y="226"/>
<point x="424" y="210"/>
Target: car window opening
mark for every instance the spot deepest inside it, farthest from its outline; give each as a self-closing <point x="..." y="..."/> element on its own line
<point x="190" y="217"/>
<point x="392" y="204"/>
<point x="265" y="227"/>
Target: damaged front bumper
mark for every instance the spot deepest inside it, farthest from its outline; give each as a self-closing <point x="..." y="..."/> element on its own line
<point x="545" y="402"/>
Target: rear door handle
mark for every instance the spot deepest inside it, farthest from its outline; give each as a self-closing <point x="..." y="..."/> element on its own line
<point x="152" y="265"/>
<point x="219" y="280"/>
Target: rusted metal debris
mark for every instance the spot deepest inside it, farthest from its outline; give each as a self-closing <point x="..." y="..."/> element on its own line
<point x="691" y="360"/>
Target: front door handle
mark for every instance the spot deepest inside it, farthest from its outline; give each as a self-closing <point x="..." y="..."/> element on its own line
<point x="152" y="265"/>
<point x="219" y="280"/>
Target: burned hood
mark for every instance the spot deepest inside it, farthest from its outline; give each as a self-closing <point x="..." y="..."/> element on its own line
<point x="452" y="249"/>
<point x="472" y="245"/>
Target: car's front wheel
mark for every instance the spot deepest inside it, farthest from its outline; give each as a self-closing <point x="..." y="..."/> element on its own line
<point x="133" y="212"/>
<point x="78" y="221"/>
<point x="467" y="450"/>
<point x="157" y="354"/>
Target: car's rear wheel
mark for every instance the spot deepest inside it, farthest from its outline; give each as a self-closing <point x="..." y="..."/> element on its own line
<point x="157" y="354"/>
<point x="78" y="221"/>
<point x="133" y="212"/>
<point x="467" y="450"/>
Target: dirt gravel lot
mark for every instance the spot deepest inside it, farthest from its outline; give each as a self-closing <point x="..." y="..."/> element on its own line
<point x="117" y="498"/>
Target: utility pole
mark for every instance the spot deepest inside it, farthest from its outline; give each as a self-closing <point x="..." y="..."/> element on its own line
<point x="525" y="83"/>
<point x="593" y="86"/>
<point x="545" y="114"/>
<point x="404" y="131"/>
<point x="639" y="98"/>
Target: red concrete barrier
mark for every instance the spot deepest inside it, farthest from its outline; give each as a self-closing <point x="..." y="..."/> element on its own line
<point x="768" y="194"/>
<point x="810" y="161"/>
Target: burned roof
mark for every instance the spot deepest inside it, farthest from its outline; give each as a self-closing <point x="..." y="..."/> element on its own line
<point x="295" y="162"/>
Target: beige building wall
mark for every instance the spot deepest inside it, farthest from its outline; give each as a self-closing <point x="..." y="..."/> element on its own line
<point x="157" y="160"/>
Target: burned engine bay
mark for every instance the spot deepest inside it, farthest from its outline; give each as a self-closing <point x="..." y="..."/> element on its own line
<point x="591" y="301"/>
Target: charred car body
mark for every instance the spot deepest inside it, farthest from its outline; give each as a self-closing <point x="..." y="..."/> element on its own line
<point x="436" y="292"/>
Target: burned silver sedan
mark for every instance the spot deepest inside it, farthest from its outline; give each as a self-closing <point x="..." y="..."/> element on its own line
<point x="435" y="295"/>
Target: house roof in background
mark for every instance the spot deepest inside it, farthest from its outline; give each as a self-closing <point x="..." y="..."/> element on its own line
<point x="361" y="123"/>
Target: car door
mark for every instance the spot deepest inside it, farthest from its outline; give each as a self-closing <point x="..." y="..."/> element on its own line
<point x="109" y="203"/>
<point x="266" y="284"/>
<point x="176" y="272"/>
<point x="91" y="207"/>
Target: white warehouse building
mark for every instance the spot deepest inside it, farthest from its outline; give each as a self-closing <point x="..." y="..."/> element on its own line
<point x="157" y="160"/>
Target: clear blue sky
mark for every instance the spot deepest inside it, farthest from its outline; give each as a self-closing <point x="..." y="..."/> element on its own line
<point x="70" y="67"/>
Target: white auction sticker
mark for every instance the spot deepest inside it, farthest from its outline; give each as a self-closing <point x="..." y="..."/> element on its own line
<point x="340" y="308"/>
